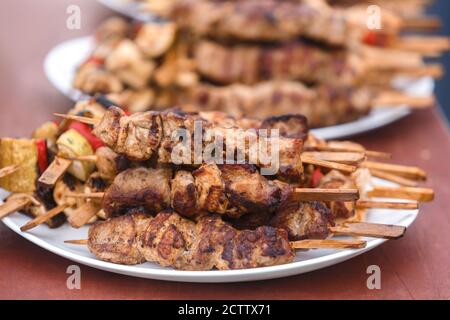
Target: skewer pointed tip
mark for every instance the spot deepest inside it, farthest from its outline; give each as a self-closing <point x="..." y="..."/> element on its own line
<point x="80" y="242"/>
<point x="85" y="120"/>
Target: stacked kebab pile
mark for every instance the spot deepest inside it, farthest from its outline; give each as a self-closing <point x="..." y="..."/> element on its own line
<point x="260" y="58"/>
<point x="101" y="164"/>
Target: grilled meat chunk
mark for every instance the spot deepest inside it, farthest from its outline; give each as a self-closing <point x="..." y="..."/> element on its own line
<point x="303" y="220"/>
<point x="184" y="194"/>
<point x="250" y="64"/>
<point x="140" y="135"/>
<point x="140" y="187"/>
<point x="210" y="189"/>
<point x="116" y="240"/>
<point x="289" y="125"/>
<point x="248" y="190"/>
<point x="336" y="180"/>
<point x="167" y="239"/>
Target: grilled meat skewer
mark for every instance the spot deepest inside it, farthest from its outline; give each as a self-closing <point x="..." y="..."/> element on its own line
<point x="143" y="135"/>
<point x="208" y="244"/>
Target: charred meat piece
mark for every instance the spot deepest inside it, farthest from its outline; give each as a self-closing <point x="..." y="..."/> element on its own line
<point x="140" y="187"/>
<point x="140" y="135"/>
<point x="167" y="239"/>
<point x="303" y="220"/>
<point x="177" y="125"/>
<point x="116" y="240"/>
<point x="210" y="189"/>
<point x="248" y="190"/>
<point x="184" y="194"/>
<point x="336" y="180"/>
<point x="289" y="125"/>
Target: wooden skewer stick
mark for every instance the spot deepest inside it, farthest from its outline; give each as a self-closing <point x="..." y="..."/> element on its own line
<point x="421" y="23"/>
<point x="80" y="242"/>
<point x="8" y="170"/>
<point x="374" y="230"/>
<point x="43" y="218"/>
<point x="434" y="70"/>
<point x="90" y="158"/>
<point x="13" y="205"/>
<point x="83" y="214"/>
<point x="414" y="173"/>
<point x="350" y="158"/>
<point x="394" y="98"/>
<point x="337" y="146"/>
<point x="93" y="195"/>
<point x="393" y="178"/>
<point x="328" y="164"/>
<point x="55" y="171"/>
<point x="418" y="194"/>
<point x="318" y="194"/>
<point x="85" y="120"/>
<point x="328" y="244"/>
<point x="364" y="204"/>
<point x="423" y="44"/>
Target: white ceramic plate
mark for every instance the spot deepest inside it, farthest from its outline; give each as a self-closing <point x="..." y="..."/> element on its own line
<point x="61" y="63"/>
<point x="305" y="261"/>
<point x="129" y="8"/>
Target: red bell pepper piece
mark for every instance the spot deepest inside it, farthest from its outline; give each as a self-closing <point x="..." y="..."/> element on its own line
<point x="316" y="177"/>
<point x="86" y="131"/>
<point x="42" y="159"/>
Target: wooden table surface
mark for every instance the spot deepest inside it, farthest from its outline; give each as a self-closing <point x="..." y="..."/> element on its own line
<point x="416" y="266"/>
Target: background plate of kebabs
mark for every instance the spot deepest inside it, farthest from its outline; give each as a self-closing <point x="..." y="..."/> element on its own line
<point x="100" y="187"/>
<point x="253" y="58"/>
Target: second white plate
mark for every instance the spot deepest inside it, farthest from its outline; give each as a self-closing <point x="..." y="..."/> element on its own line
<point x="62" y="61"/>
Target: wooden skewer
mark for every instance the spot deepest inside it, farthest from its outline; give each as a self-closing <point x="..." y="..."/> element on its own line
<point x="318" y="194"/>
<point x="364" y="204"/>
<point x="83" y="214"/>
<point x="81" y="241"/>
<point x="418" y="194"/>
<point x="85" y="120"/>
<point x="336" y="146"/>
<point x="350" y="158"/>
<point x="328" y="164"/>
<point x="393" y="98"/>
<point x="8" y="170"/>
<point x="93" y="195"/>
<point x="404" y="171"/>
<point x="55" y="171"/>
<point x="374" y="230"/>
<point x="303" y="244"/>
<point x="90" y="158"/>
<point x="43" y="218"/>
<point x="423" y="44"/>
<point x="13" y="205"/>
<point x="434" y="70"/>
<point x="421" y="23"/>
<point x="328" y="244"/>
<point x="394" y="178"/>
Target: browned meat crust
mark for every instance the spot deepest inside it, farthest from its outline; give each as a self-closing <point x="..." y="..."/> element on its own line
<point x="140" y="187"/>
<point x="303" y="220"/>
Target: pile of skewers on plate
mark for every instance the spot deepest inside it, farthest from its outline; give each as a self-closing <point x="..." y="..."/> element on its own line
<point x="115" y="171"/>
<point x="261" y="58"/>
